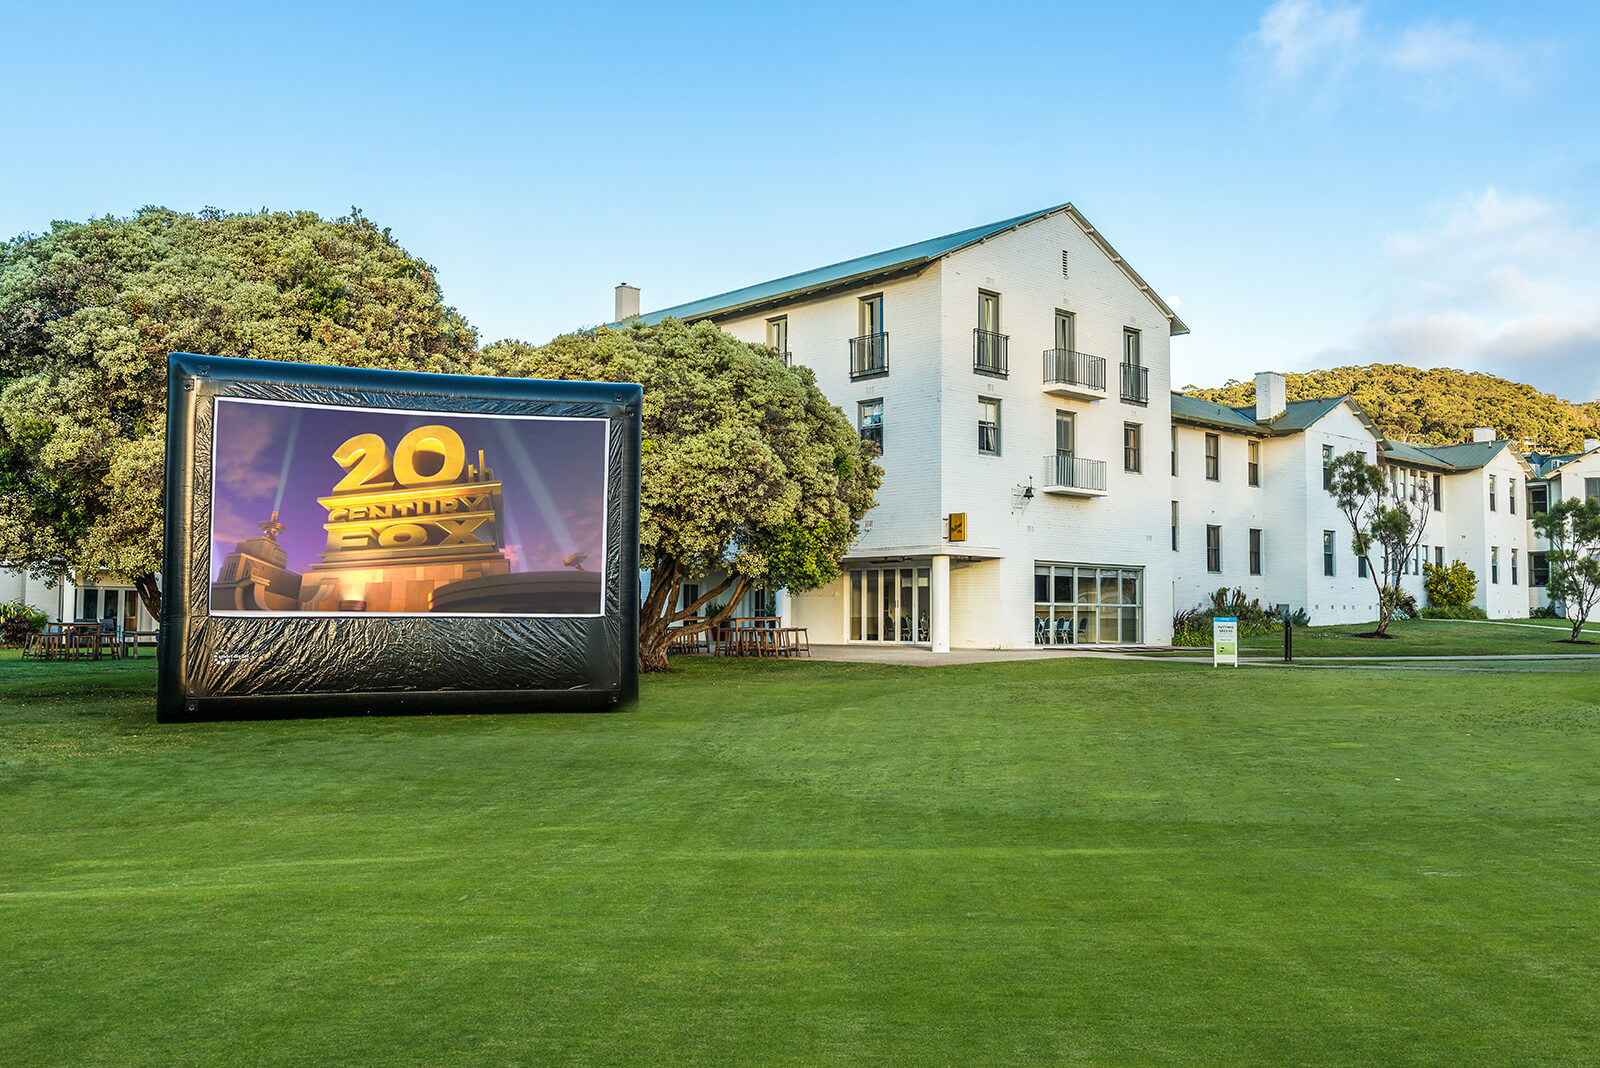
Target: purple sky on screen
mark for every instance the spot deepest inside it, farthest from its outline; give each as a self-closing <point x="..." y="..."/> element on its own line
<point x="553" y="472"/>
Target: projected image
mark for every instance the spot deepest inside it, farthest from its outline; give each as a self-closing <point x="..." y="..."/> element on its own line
<point x="358" y="510"/>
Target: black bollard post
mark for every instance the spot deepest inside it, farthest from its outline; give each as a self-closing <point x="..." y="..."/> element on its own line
<point x="1288" y="639"/>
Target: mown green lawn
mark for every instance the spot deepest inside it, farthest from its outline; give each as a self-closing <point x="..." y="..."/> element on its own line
<point x="1424" y="637"/>
<point x="1058" y="862"/>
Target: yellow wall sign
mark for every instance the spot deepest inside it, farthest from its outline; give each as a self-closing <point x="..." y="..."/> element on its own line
<point x="958" y="526"/>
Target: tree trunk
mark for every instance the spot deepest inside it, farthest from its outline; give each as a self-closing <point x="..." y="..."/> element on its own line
<point x="150" y="593"/>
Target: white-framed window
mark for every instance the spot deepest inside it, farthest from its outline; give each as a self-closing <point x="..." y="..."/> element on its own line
<point x="1491" y="494"/>
<point x="1511" y="502"/>
<point x="1213" y="548"/>
<point x="1080" y="604"/>
<point x="1494" y="564"/>
<point x="1174" y="526"/>
<point x="1255" y="551"/>
<point x="1327" y="467"/>
<point x="1253" y="453"/>
<point x="1213" y="457"/>
<point x="1174" y="452"/>
<point x="1327" y="552"/>
<point x="1132" y="448"/>
<point x="778" y="335"/>
<point x="869" y="417"/>
<point x="989" y="426"/>
<point x="1513" y="567"/>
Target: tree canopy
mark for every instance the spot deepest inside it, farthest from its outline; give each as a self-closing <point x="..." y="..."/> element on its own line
<point x="89" y="312"/>
<point x="1387" y="522"/>
<point x="747" y="468"/>
<point x="1440" y="406"/>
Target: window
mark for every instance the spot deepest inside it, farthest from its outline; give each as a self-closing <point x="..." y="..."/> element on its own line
<point x="988" y="343"/>
<point x="778" y="335"/>
<point x="1513" y="567"/>
<point x="1591" y="489"/>
<point x="1494" y="564"/>
<point x="1327" y="467"/>
<point x="1538" y="498"/>
<point x="1213" y="548"/>
<point x="870" y="420"/>
<point x="1130" y="447"/>
<point x="1491" y="493"/>
<point x="1511" y="502"/>
<point x="1361" y="567"/>
<point x="1538" y="569"/>
<point x="1213" y="457"/>
<point x="1174" y="526"/>
<point x="1253" y="449"/>
<point x="869" y="353"/>
<point x="1135" y="376"/>
<point x="1438" y="493"/>
<point x="1074" y="604"/>
<point x="1438" y="556"/>
<point x="1255" y="551"/>
<point x="691" y="594"/>
<point x="891" y="605"/>
<point x="1327" y="552"/>
<point x="1174" y="452"/>
<point x="989" y="426"/>
<point x="1066" y="331"/>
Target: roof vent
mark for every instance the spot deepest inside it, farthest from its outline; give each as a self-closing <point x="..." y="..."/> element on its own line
<point x="1482" y="433"/>
<point x="1064" y="263"/>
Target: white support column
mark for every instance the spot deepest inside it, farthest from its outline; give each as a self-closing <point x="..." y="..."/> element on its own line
<point x="941" y="604"/>
<point x="785" y="608"/>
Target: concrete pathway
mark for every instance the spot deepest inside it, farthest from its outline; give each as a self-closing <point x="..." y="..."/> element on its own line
<point x="913" y="656"/>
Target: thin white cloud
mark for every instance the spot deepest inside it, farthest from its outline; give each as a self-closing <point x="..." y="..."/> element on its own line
<point x="1500" y="283"/>
<point x="1318" y="46"/>
<point x="1298" y="35"/>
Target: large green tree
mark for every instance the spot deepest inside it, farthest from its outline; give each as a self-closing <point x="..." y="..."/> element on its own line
<point x="88" y="313"/>
<point x="1572" y="527"/>
<point x="747" y="470"/>
<point x="1387" y="522"/>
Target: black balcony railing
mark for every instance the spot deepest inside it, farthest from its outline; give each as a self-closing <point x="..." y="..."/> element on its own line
<point x="1068" y="368"/>
<point x="989" y="352"/>
<point x="786" y="357"/>
<point x="1074" y="472"/>
<point x="1135" y="383"/>
<point x="869" y="355"/>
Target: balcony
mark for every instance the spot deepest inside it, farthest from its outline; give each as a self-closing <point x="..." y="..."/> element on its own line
<point x="1074" y="374"/>
<point x="1066" y="475"/>
<point x="786" y="357"/>
<point x="989" y="353"/>
<point x="869" y="355"/>
<point x="1135" y="384"/>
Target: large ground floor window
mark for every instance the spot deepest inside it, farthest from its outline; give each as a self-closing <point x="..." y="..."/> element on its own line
<point x="1076" y="604"/>
<point x="890" y="604"/>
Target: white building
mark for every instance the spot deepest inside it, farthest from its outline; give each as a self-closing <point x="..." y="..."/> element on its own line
<point x="1575" y="475"/>
<point x="1017" y="377"/>
<point x="106" y="598"/>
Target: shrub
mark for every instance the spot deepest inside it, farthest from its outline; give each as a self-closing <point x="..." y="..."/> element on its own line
<point x="1545" y="611"/>
<point x="18" y="620"/>
<point x="1465" y="611"/>
<point x="1192" y="626"/>
<point x="1449" y="587"/>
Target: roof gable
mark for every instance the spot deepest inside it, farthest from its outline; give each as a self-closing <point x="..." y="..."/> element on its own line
<point x="879" y="266"/>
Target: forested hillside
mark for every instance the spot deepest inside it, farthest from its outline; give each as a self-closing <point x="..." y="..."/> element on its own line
<point x="1438" y="406"/>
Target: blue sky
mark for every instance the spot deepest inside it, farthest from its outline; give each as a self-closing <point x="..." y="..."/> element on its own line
<point x="1315" y="181"/>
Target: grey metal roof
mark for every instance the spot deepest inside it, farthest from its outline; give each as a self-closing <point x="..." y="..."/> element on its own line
<point x="863" y="270"/>
<point x="1298" y="416"/>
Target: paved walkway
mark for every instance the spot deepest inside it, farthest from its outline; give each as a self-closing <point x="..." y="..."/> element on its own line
<point x="917" y="657"/>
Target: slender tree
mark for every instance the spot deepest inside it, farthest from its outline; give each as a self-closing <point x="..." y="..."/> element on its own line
<point x="88" y="313"/>
<point x="1387" y="523"/>
<point x="748" y="472"/>
<point x="1572" y="527"/>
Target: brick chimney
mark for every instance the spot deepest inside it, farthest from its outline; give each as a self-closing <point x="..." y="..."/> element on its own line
<point x="627" y="302"/>
<point x="1482" y="433"/>
<point x="1272" y="396"/>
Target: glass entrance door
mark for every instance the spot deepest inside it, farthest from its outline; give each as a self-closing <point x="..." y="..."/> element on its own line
<point x="891" y="604"/>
